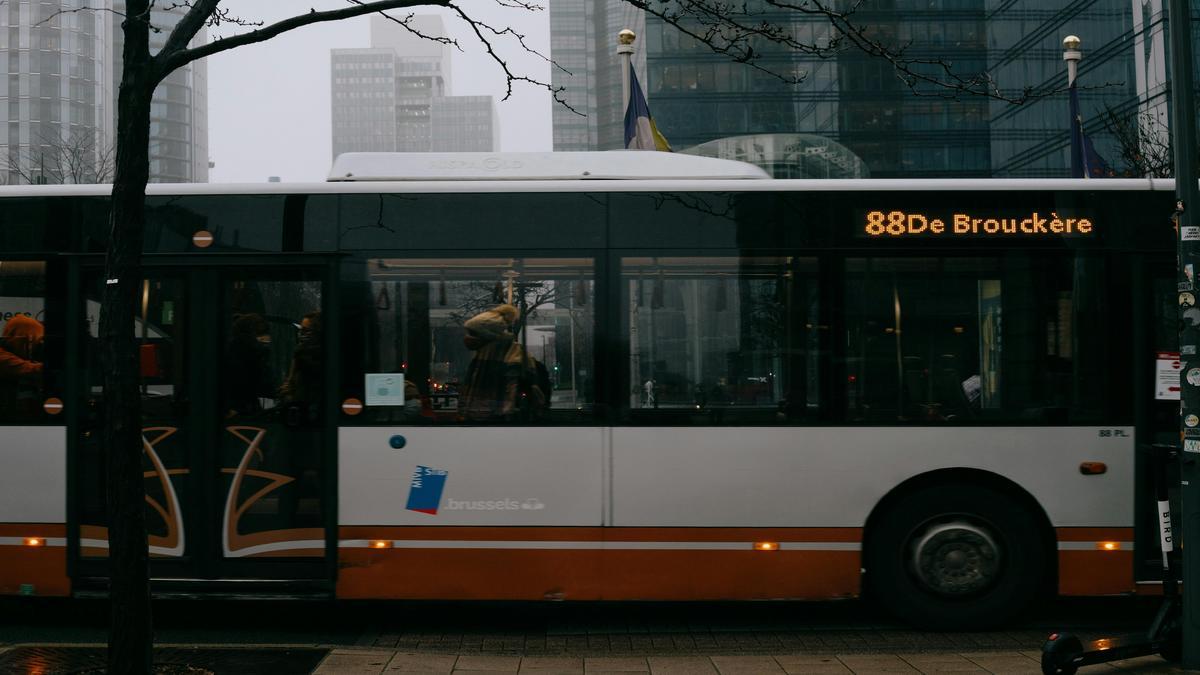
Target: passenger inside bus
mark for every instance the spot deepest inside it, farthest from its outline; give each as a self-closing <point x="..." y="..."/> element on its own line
<point x="502" y="381"/>
<point x="20" y="365"/>
<point x="247" y="358"/>
<point x="301" y="391"/>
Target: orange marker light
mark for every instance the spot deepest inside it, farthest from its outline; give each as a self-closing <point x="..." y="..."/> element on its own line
<point x="381" y="543"/>
<point x="766" y="546"/>
<point x="35" y="541"/>
<point x="1108" y="545"/>
<point x="1093" y="468"/>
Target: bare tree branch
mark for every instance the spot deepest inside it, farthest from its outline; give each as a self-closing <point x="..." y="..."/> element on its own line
<point x="82" y="158"/>
<point x="1142" y="141"/>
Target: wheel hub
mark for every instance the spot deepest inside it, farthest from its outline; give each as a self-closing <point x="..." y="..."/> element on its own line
<point x="956" y="559"/>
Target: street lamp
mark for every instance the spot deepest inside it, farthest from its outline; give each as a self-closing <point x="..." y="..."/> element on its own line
<point x="1072" y="56"/>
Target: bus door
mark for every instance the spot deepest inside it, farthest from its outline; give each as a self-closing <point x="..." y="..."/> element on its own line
<point x="235" y="444"/>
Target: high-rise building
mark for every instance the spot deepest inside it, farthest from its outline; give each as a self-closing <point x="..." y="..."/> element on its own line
<point x="465" y="124"/>
<point x="57" y="91"/>
<point x="385" y="98"/>
<point x="583" y="42"/>
<point x="1122" y="75"/>
<point x="874" y="123"/>
<point x="852" y="99"/>
<point x="63" y="59"/>
<point x="179" y="109"/>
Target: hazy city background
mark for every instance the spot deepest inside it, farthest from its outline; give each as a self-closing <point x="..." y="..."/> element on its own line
<point x="265" y="97"/>
<point x="283" y="109"/>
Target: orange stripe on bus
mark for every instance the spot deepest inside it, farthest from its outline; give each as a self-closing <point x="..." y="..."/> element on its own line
<point x="1095" y="572"/>
<point x="41" y="570"/>
<point x="508" y="574"/>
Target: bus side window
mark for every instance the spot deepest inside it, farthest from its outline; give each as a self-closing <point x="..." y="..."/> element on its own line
<point x="961" y="339"/>
<point x="478" y="341"/>
<point x="722" y="340"/>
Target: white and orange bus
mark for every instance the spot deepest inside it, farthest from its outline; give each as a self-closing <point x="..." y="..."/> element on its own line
<point x="933" y="392"/>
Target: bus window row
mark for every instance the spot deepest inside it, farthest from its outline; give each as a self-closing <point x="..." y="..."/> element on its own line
<point x="736" y="340"/>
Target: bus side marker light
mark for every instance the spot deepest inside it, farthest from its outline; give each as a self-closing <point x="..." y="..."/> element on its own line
<point x="1093" y="468"/>
<point x="381" y="543"/>
<point x="766" y="546"/>
<point x="1108" y="545"/>
<point x="35" y="541"/>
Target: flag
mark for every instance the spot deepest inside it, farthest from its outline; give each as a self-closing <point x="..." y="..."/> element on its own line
<point x="640" y="131"/>
<point x="1085" y="161"/>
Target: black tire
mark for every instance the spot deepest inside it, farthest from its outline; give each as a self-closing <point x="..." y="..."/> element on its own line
<point x="956" y="526"/>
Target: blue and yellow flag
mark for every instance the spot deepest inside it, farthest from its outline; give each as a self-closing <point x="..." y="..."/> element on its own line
<point x="640" y="131"/>
<point x="1085" y="161"/>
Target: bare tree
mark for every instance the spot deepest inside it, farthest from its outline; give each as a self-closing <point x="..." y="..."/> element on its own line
<point x="82" y="157"/>
<point x="1142" y="140"/>
<point x="736" y="29"/>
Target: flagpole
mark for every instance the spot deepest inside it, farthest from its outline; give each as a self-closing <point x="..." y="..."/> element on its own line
<point x="625" y="55"/>
<point x="1072" y="55"/>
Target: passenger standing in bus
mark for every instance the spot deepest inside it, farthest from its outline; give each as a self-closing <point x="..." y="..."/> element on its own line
<point x="247" y="357"/>
<point x="492" y="388"/>
<point x="301" y="391"/>
<point x="20" y="366"/>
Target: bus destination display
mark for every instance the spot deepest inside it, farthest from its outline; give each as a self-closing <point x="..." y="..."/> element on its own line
<point x="990" y="225"/>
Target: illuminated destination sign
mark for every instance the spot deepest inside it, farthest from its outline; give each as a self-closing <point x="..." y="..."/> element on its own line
<point x="991" y="225"/>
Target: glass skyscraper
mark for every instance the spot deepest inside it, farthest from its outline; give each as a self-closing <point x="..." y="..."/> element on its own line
<point x="63" y="70"/>
<point x="704" y="102"/>
<point x="583" y="42"/>
<point x="57" y="89"/>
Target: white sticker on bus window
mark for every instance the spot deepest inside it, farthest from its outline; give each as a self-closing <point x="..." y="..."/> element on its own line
<point x="1191" y="445"/>
<point x="1190" y="234"/>
<point x="385" y="389"/>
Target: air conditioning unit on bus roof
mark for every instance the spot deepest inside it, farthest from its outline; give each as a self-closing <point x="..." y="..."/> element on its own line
<point x="607" y="165"/>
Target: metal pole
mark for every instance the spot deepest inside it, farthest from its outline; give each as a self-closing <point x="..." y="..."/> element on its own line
<point x="1183" y="131"/>
<point x="625" y="55"/>
<point x="1072" y="55"/>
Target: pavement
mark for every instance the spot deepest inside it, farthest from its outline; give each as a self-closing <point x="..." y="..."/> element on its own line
<point x="581" y="638"/>
<point x="352" y="661"/>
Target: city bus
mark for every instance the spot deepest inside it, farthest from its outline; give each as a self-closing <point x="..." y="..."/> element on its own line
<point x="713" y="385"/>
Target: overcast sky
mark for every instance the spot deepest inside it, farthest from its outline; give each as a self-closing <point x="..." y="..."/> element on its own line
<point x="269" y="111"/>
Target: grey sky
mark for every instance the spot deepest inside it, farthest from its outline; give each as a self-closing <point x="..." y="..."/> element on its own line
<point x="269" y="104"/>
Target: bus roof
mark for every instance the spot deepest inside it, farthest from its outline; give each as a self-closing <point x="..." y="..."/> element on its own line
<point x="656" y="185"/>
<point x="471" y="166"/>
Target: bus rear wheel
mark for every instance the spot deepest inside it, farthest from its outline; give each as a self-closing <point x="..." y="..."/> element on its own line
<point x="956" y="557"/>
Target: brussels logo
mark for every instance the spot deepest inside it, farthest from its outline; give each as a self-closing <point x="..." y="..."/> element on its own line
<point x="425" y="490"/>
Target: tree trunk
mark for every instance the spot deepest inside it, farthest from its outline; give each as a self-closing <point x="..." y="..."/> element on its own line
<point x="130" y="640"/>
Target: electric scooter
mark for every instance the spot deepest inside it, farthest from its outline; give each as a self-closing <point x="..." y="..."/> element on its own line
<point x="1065" y="653"/>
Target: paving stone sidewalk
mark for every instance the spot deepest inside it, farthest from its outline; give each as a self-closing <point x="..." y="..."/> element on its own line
<point x="373" y="661"/>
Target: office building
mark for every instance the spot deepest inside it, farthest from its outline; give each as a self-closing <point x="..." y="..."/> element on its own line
<point x="872" y="121"/>
<point x="179" y="110"/>
<point x="386" y="98"/>
<point x="57" y="92"/>
<point x="63" y="70"/>
<point x="465" y="124"/>
<point x="583" y="41"/>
